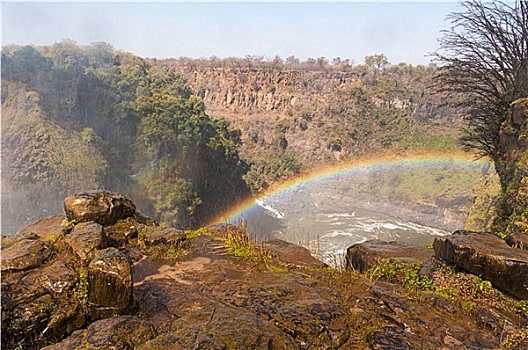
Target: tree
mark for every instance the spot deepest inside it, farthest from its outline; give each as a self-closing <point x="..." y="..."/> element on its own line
<point x="484" y="57"/>
<point x="377" y="61"/>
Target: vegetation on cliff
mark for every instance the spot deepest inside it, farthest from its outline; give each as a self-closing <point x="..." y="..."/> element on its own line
<point x="296" y="116"/>
<point x="141" y="126"/>
<point x="92" y="117"/>
<point x="486" y="67"/>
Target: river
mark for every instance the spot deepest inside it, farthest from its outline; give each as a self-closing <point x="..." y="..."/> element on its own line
<point x="327" y="234"/>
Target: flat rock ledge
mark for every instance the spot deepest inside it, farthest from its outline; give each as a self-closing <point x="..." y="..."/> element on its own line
<point x="363" y="256"/>
<point x="489" y="257"/>
<point x="292" y="254"/>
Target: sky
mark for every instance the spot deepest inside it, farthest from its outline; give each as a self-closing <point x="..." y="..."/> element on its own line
<point x="403" y="31"/>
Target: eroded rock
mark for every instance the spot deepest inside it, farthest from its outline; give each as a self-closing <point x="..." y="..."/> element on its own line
<point x="55" y="278"/>
<point x="293" y="254"/>
<point x="488" y="257"/>
<point x="103" y="207"/>
<point x="49" y="229"/>
<point x="222" y="327"/>
<point x="116" y="333"/>
<point x="27" y="252"/>
<point x="388" y="338"/>
<point x="26" y="309"/>
<point x="517" y="240"/>
<point x="155" y="235"/>
<point x="85" y="239"/>
<point x="109" y="283"/>
<point x="364" y="255"/>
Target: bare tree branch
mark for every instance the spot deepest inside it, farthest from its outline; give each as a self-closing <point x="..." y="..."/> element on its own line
<point x="484" y="61"/>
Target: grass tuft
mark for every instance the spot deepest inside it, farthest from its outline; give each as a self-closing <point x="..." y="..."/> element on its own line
<point x="239" y="242"/>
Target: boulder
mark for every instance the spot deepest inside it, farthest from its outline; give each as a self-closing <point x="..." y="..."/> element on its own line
<point x="488" y="257"/>
<point x="85" y="239"/>
<point x="116" y="333"/>
<point x="103" y="207"/>
<point x="66" y="312"/>
<point x="119" y="234"/>
<point x="48" y="229"/>
<point x="55" y="278"/>
<point x="109" y="284"/>
<point x="517" y="240"/>
<point x="155" y="235"/>
<point x="363" y="256"/>
<point x="27" y="252"/>
<point x="292" y="254"/>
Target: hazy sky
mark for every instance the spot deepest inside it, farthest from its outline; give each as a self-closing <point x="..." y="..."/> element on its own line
<point x="403" y="31"/>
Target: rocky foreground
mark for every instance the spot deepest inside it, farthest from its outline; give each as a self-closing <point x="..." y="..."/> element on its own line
<point x="106" y="277"/>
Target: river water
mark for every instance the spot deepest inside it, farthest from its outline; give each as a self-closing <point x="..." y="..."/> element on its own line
<point x="331" y="213"/>
<point x="328" y="230"/>
<point x="329" y="234"/>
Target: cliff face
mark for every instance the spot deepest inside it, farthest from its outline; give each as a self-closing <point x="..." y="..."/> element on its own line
<point x="513" y="170"/>
<point x="501" y="204"/>
<point x="326" y="113"/>
<point x="256" y="99"/>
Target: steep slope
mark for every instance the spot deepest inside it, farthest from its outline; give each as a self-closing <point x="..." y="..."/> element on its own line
<point x="42" y="160"/>
<point x="320" y="114"/>
<point x="69" y="111"/>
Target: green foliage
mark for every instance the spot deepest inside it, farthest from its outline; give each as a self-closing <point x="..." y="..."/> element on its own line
<point x="68" y="223"/>
<point x="425" y="185"/>
<point x="202" y="231"/>
<point x="407" y="275"/>
<point x="173" y="198"/>
<point x="523" y="308"/>
<point x="265" y="172"/>
<point x="130" y="125"/>
<point x="141" y="233"/>
<point x="281" y="126"/>
<point x="239" y="242"/>
<point x="80" y="290"/>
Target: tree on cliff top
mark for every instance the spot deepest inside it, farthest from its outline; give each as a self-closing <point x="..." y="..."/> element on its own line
<point x="484" y="57"/>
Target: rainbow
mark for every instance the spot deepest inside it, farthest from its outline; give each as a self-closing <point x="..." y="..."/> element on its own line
<point x="365" y="165"/>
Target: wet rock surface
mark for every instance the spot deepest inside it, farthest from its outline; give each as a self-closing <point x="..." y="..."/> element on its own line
<point x="109" y="284"/>
<point x="85" y="239"/>
<point x="24" y="254"/>
<point x="488" y="257"/>
<point x="103" y="207"/>
<point x="165" y="235"/>
<point x="517" y="240"/>
<point x="57" y="276"/>
<point x="116" y="333"/>
<point x="160" y="289"/>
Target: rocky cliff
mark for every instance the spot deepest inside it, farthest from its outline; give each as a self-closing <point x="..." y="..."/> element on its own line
<point x="321" y="112"/>
<point x="502" y="201"/>
<point x="106" y="277"/>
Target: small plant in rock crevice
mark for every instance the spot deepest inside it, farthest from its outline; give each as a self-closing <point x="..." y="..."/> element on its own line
<point x="407" y="275"/>
<point x="80" y="291"/>
<point x="68" y="223"/>
<point x="203" y="231"/>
